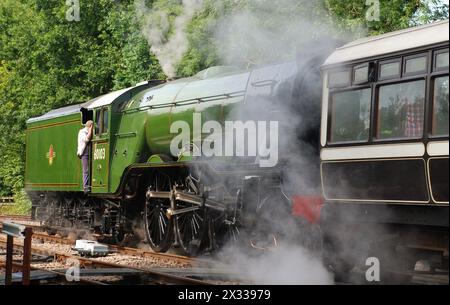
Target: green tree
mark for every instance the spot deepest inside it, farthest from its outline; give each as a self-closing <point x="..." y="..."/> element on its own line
<point x="47" y="62"/>
<point x="393" y="14"/>
<point x="348" y="19"/>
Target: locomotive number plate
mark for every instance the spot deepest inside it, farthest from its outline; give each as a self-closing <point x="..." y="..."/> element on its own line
<point x="100" y="153"/>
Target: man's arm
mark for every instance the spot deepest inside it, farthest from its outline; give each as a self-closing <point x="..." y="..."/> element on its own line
<point x="89" y="135"/>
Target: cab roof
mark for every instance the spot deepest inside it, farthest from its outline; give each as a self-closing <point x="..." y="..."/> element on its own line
<point x="104" y="100"/>
<point x="68" y="110"/>
<point x="410" y="38"/>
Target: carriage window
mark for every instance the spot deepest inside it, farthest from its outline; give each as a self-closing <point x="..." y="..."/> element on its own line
<point x="350" y="117"/>
<point x="441" y="60"/>
<point x="390" y="70"/>
<point x="440" y="106"/>
<point x="339" y="79"/>
<point x="416" y="65"/>
<point x="361" y="75"/>
<point x="401" y="110"/>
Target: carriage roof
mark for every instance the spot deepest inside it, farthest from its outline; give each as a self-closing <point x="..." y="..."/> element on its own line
<point x="392" y="42"/>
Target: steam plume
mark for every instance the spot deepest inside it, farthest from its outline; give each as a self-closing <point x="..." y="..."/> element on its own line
<point x="168" y="42"/>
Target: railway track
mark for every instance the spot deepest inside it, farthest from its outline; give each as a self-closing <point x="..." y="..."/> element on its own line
<point x="128" y="251"/>
<point x="159" y="277"/>
<point x="61" y="276"/>
<point x="151" y="276"/>
<point x="15" y="217"/>
<point x="179" y="259"/>
<point x="40" y="234"/>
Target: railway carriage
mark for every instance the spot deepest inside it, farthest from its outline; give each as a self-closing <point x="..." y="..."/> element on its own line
<point x="384" y="145"/>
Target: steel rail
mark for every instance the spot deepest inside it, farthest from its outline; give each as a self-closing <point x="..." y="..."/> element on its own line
<point x="128" y="251"/>
<point x="42" y="235"/>
<point x="16" y="217"/>
<point x="17" y="266"/>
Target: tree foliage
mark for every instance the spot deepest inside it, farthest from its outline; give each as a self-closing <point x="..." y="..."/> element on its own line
<point x="393" y="14"/>
<point x="47" y="62"/>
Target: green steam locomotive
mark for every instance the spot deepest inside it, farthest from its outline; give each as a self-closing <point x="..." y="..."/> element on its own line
<point x="137" y="166"/>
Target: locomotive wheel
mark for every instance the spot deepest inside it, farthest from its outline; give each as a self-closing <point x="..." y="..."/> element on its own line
<point x="158" y="227"/>
<point x="232" y="234"/>
<point x="228" y="232"/>
<point x="192" y="230"/>
<point x="273" y="224"/>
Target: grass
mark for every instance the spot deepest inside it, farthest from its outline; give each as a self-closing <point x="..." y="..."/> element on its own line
<point x="21" y="206"/>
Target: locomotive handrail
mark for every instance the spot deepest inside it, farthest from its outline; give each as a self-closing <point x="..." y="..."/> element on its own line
<point x="126" y="134"/>
<point x="188" y="101"/>
<point x="264" y="83"/>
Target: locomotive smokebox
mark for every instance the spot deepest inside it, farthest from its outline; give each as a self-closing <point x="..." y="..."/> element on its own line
<point x="250" y="200"/>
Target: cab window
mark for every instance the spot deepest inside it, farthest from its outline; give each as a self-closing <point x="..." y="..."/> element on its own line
<point x="97" y="122"/>
<point x="105" y="125"/>
<point x="101" y="121"/>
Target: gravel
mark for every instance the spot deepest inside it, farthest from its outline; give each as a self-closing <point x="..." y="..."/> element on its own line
<point x="116" y="258"/>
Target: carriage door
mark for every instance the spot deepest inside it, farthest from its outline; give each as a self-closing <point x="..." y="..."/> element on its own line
<point x="100" y="151"/>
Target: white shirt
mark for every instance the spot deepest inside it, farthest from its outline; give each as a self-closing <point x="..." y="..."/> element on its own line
<point x="82" y="140"/>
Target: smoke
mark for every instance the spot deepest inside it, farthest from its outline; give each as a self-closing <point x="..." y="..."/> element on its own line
<point x="298" y="33"/>
<point x="243" y="33"/>
<point x="167" y="41"/>
<point x="249" y="34"/>
<point x="260" y="31"/>
<point x="284" y="265"/>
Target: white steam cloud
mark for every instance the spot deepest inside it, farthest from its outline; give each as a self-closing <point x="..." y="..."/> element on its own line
<point x="167" y="42"/>
<point x="284" y="265"/>
<point x="262" y="31"/>
<point x="252" y="33"/>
